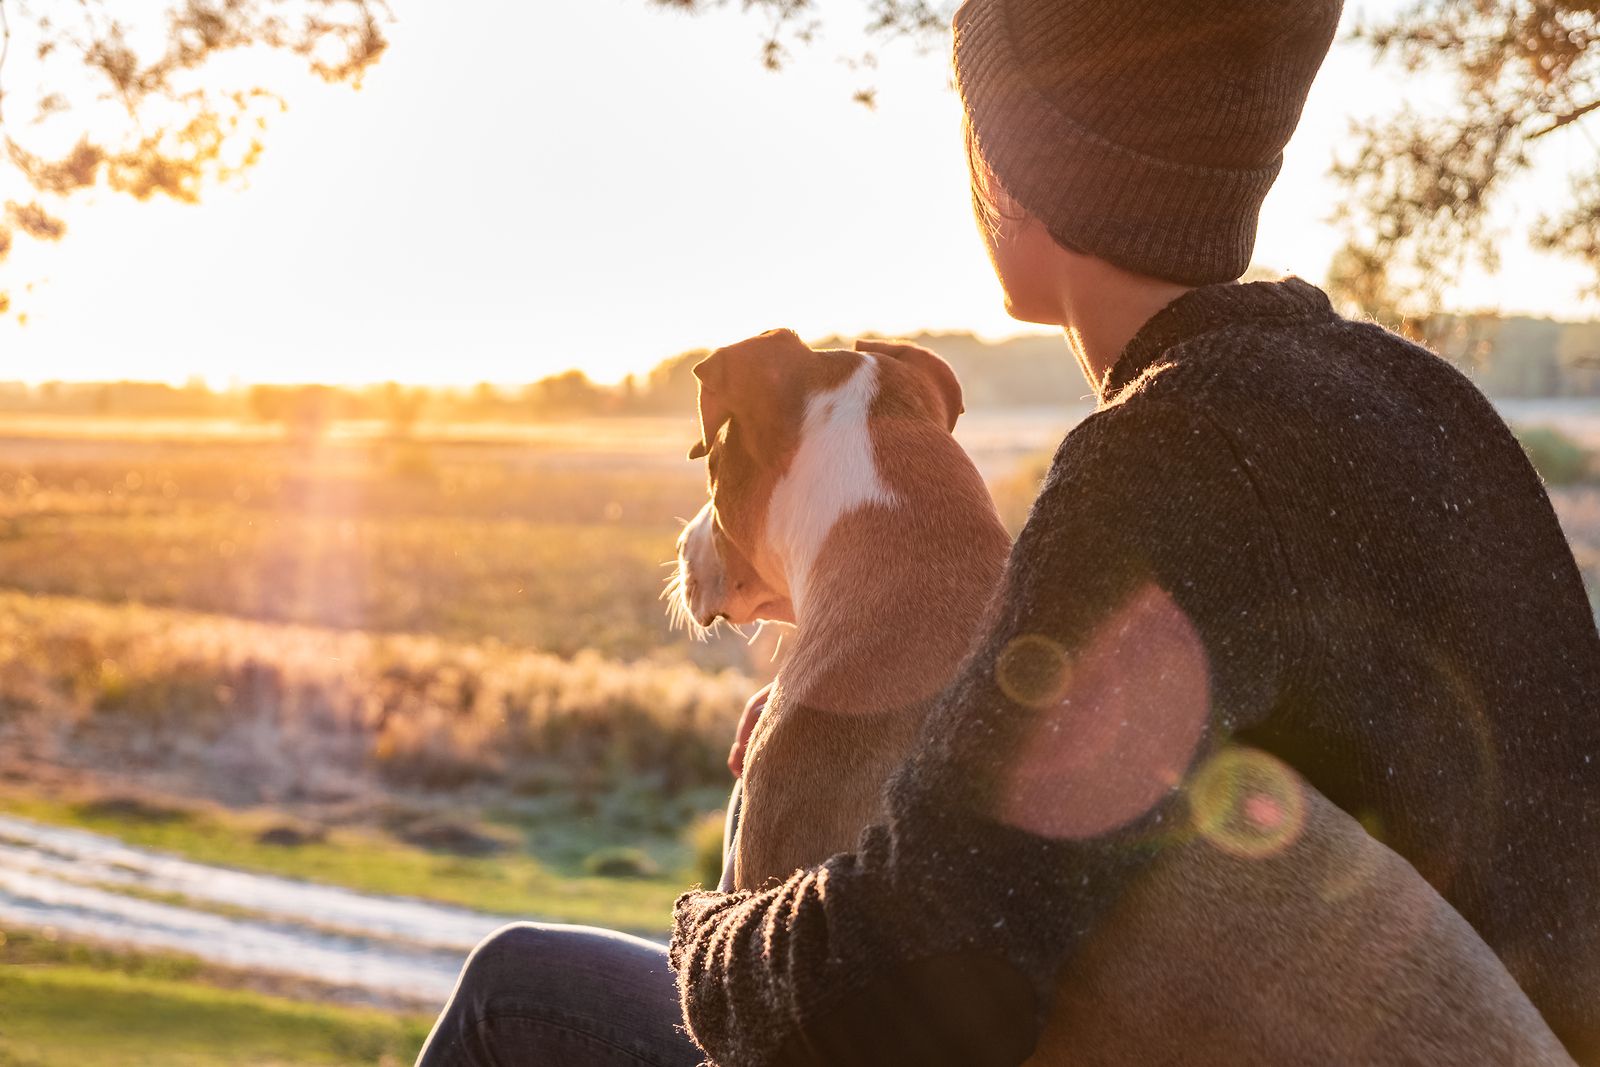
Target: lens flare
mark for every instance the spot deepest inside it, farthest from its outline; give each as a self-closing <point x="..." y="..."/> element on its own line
<point x="1110" y="726"/>
<point x="1032" y="670"/>
<point x="1247" y="803"/>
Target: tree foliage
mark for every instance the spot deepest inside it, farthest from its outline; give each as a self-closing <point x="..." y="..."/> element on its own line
<point x="1421" y="186"/>
<point x="146" y="106"/>
<point x="158" y="104"/>
<point x="791" y="22"/>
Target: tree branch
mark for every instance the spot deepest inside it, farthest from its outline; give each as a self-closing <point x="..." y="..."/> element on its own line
<point x="1566" y="120"/>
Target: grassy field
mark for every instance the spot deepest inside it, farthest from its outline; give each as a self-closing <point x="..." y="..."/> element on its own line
<point x="276" y="712"/>
<point x="357" y="623"/>
<point x="352" y="621"/>
<point x="436" y="668"/>
<point x="433" y="667"/>
<point x="152" y="1009"/>
<point x="529" y="543"/>
<point x="540" y="866"/>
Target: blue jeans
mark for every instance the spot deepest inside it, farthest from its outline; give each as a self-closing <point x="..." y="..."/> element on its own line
<point x="538" y="994"/>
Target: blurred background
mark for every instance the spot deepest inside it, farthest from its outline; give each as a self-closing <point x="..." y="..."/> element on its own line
<point x="344" y="393"/>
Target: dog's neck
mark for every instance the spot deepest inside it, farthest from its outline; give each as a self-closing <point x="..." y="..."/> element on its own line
<point x="833" y="474"/>
<point x="898" y="581"/>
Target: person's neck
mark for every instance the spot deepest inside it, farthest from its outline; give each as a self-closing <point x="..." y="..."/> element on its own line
<point x="1103" y="307"/>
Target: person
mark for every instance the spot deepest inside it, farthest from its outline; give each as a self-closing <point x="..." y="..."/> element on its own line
<point x="1382" y="593"/>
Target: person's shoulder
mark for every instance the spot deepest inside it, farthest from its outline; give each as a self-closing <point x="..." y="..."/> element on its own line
<point x="1298" y="367"/>
<point x="1140" y="438"/>
<point x="1244" y="355"/>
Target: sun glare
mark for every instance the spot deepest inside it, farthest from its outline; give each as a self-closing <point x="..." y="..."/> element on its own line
<point x="487" y="209"/>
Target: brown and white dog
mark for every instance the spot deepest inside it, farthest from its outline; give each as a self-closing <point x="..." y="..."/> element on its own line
<point x="840" y="503"/>
<point x="835" y="489"/>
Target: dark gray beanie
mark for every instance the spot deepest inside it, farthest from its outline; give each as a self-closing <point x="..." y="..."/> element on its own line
<point x="1143" y="132"/>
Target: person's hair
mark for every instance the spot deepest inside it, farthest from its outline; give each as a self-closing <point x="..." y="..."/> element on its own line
<point x="990" y="201"/>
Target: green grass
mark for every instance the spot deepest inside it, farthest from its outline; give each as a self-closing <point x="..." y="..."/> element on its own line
<point x="513" y="884"/>
<point x="73" y="1016"/>
<point x="1559" y="458"/>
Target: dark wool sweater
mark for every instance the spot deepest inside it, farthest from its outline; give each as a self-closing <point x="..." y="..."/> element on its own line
<point x="1386" y="602"/>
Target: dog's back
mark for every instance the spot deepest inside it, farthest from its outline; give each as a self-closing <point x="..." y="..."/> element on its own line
<point x="862" y="670"/>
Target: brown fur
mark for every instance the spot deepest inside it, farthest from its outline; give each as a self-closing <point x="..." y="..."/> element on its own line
<point x="1332" y="951"/>
<point x="851" y="694"/>
<point x="1329" y="949"/>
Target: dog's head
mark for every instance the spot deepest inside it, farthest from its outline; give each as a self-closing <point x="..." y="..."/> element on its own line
<point x="791" y="439"/>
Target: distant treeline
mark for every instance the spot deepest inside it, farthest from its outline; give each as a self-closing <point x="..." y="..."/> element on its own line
<point x="1511" y="357"/>
<point x="668" y="389"/>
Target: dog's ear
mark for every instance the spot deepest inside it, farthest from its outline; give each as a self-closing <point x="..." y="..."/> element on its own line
<point x="945" y="384"/>
<point x="756" y="381"/>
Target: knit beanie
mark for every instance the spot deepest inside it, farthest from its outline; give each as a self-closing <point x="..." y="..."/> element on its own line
<point x="1143" y="132"/>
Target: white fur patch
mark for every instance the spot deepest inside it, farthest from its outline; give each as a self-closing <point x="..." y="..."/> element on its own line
<point x="690" y="600"/>
<point x="834" y="473"/>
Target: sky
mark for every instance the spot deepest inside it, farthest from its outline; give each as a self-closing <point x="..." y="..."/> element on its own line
<point x="524" y="187"/>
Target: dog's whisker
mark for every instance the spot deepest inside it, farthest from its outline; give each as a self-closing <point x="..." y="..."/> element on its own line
<point x="679" y="617"/>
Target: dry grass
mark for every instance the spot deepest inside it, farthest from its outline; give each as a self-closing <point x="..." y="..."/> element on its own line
<point x="370" y="606"/>
<point x="270" y="710"/>
<point x="538" y="545"/>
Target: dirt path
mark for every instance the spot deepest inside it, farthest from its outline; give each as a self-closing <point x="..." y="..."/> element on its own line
<point x="88" y="886"/>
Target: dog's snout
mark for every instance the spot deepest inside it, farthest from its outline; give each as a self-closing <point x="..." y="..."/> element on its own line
<point x="698" y="584"/>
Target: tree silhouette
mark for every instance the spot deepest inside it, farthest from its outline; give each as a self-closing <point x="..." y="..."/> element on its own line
<point x="140" y="104"/>
<point x="1420" y="188"/>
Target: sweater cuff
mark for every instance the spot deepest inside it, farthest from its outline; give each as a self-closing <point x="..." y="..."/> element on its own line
<point x="689" y="911"/>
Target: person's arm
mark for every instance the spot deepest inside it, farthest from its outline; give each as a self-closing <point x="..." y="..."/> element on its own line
<point x="1145" y="613"/>
<point x="747" y="722"/>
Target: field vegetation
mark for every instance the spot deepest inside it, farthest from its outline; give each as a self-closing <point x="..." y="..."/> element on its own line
<point x="525" y="542"/>
<point x="150" y="1008"/>
<point x="435" y="666"/>
<point x="515" y="860"/>
<point x="272" y="712"/>
<point x="432" y="664"/>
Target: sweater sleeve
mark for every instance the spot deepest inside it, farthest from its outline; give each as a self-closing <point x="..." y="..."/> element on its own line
<point x="1145" y="614"/>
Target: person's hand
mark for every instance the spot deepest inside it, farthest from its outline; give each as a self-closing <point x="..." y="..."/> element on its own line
<point x="747" y="722"/>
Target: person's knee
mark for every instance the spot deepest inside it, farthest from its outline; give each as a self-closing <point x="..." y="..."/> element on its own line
<point x="508" y="958"/>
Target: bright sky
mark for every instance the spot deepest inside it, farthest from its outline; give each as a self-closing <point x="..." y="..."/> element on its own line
<point x="524" y="187"/>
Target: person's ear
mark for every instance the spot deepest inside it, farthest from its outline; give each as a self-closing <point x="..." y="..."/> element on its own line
<point x="758" y="384"/>
<point x="946" y="387"/>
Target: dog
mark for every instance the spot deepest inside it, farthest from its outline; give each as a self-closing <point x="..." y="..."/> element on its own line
<point x="798" y="480"/>
<point x="841" y="504"/>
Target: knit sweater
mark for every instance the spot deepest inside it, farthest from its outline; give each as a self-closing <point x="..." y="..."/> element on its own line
<point x="1386" y="602"/>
